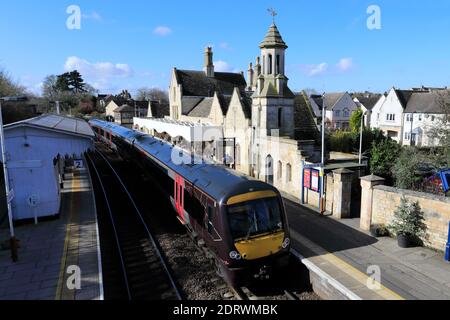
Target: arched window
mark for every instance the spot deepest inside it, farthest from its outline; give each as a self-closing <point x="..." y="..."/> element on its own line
<point x="269" y="169"/>
<point x="280" y="170"/>
<point x="288" y="173"/>
<point x="278" y="71"/>
<point x="280" y="117"/>
<point x="264" y="64"/>
<point x="270" y="64"/>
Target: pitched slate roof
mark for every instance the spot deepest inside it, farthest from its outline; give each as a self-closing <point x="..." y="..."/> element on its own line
<point x="305" y="127"/>
<point x="124" y="108"/>
<point x="273" y="39"/>
<point x="403" y="96"/>
<point x="189" y="103"/>
<point x="196" y="83"/>
<point x="202" y="109"/>
<point x="159" y="109"/>
<point x="368" y="100"/>
<point x="331" y="99"/>
<point x="428" y="102"/>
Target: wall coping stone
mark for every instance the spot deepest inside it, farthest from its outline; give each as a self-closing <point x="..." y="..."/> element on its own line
<point x="417" y="194"/>
<point x="342" y="171"/>
<point x="372" y="178"/>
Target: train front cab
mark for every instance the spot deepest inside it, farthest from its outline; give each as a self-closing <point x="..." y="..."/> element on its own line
<point x="258" y="235"/>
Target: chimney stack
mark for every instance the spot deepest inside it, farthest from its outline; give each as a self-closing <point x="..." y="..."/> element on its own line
<point x="250" y="76"/>
<point x="209" y="65"/>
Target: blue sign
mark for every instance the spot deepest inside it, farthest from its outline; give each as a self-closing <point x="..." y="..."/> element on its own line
<point x="447" y="251"/>
<point x="445" y="177"/>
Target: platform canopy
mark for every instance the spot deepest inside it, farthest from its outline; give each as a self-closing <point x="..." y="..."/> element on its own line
<point x="190" y="131"/>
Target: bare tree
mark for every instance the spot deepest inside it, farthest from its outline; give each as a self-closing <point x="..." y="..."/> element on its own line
<point x="8" y="87"/>
<point x="154" y="94"/>
<point x="441" y="130"/>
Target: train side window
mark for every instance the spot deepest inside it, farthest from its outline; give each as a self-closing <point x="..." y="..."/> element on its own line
<point x="210" y="215"/>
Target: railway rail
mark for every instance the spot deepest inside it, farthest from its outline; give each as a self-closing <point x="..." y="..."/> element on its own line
<point x="144" y="272"/>
<point x="244" y="293"/>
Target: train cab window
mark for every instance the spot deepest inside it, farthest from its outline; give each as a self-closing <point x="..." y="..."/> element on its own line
<point x="254" y="218"/>
<point x="102" y="132"/>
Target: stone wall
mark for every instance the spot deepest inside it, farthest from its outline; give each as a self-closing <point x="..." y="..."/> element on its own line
<point x="436" y="211"/>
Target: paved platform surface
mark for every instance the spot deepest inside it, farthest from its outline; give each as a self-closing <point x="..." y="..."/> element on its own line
<point x="48" y="249"/>
<point x="345" y="253"/>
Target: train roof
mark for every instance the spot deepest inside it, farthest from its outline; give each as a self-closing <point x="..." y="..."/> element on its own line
<point x="216" y="180"/>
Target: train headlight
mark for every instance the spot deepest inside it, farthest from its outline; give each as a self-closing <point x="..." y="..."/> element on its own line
<point x="286" y="243"/>
<point x="235" y="255"/>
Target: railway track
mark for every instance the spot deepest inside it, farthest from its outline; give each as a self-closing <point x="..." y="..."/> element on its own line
<point x="244" y="293"/>
<point x="142" y="271"/>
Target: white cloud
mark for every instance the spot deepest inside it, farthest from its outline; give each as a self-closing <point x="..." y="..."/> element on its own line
<point x="316" y="70"/>
<point x="92" y="16"/>
<point x="222" y="66"/>
<point x="98" y="70"/>
<point x="342" y="66"/>
<point x="345" y="64"/>
<point x="101" y="75"/>
<point x="162" y="31"/>
<point x="225" y="45"/>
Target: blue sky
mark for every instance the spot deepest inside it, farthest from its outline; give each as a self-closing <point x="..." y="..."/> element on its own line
<point x="137" y="43"/>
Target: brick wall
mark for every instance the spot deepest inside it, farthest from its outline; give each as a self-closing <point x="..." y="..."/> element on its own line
<point x="436" y="212"/>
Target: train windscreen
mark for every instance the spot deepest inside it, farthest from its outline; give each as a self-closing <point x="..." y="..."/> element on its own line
<point x="253" y="218"/>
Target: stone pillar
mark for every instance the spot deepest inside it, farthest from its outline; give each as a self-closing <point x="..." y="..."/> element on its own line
<point x="367" y="184"/>
<point x="329" y="193"/>
<point x="342" y="193"/>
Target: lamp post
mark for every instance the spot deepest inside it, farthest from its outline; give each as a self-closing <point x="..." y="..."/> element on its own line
<point x="9" y="193"/>
<point x="323" y="128"/>
<point x="322" y="173"/>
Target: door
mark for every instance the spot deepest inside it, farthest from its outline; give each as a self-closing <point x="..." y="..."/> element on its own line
<point x="179" y="196"/>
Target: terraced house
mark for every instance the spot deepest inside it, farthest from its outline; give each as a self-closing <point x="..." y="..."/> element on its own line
<point x="408" y="116"/>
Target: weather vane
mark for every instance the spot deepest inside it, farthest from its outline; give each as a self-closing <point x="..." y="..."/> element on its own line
<point x="273" y="13"/>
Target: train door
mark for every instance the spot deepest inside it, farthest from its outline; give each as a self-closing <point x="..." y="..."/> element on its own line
<point x="210" y="221"/>
<point x="179" y="197"/>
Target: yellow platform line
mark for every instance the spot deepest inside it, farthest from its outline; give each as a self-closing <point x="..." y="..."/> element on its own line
<point x="59" y="289"/>
<point x="348" y="269"/>
<point x="361" y="277"/>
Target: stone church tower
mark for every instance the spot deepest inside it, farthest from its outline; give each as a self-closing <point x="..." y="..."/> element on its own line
<point x="273" y="101"/>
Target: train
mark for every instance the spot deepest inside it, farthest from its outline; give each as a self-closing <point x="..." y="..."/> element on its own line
<point x="241" y="221"/>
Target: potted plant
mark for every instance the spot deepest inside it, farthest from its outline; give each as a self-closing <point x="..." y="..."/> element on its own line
<point x="379" y="230"/>
<point x="408" y="224"/>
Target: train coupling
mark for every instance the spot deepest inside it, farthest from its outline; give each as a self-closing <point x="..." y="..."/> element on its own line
<point x="265" y="273"/>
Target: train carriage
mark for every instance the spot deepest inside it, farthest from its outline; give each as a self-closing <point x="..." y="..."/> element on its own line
<point x="241" y="221"/>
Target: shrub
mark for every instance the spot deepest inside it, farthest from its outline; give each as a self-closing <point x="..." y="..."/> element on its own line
<point x="383" y="156"/>
<point x="406" y="168"/>
<point x="408" y="220"/>
<point x="348" y="141"/>
<point x="355" y="120"/>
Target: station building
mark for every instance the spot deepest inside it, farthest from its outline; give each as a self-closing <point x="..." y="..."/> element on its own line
<point x="272" y="129"/>
<point x="37" y="150"/>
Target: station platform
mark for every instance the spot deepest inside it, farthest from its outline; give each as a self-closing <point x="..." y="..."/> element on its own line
<point x="52" y="253"/>
<point x="343" y="259"/>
